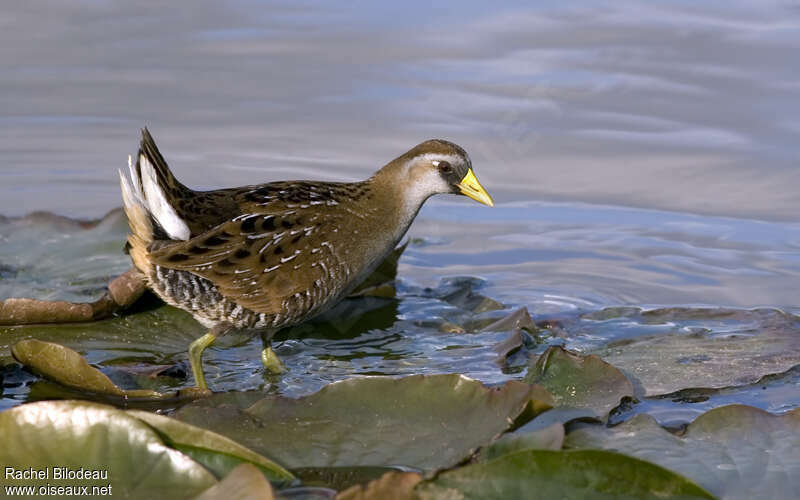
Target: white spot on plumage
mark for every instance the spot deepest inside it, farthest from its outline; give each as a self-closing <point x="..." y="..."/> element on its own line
<point x="287" y="259"/>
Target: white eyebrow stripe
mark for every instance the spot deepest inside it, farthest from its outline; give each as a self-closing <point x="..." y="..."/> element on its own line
<point x="436" y="158"/>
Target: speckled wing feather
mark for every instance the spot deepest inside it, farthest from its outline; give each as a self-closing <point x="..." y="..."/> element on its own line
<point x="280" y="249"/>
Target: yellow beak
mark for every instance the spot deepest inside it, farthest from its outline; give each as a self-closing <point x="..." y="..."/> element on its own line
<point x="470" y="186"/>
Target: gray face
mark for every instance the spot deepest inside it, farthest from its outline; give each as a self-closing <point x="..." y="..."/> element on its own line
<point x="453" y="172"/>
<point x="450" y="160"/>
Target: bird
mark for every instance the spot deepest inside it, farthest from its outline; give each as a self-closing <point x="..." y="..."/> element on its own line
<point x="263" y="257"/>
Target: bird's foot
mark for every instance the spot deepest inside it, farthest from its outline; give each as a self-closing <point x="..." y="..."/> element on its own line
<point x="271" y="361"/>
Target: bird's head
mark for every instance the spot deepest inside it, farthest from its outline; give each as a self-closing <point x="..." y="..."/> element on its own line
<point x="438" y="166"/>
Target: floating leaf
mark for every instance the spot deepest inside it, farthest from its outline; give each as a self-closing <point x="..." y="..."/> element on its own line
<point x="76" y="434"/>
<point x="734" y="451"/>
<point x="579" y="381"/>
<point x="245" y="482"/>
<point x="509" y="346"/>
<point x="465" y="298"/>
<point x="724" y="348"/>
<point x="560" y="474"/>
<point x="421" y="421"/>
<point x="65" y="366"/>
<point x="518" y="319"/>
<point x="218" y="453"/>
<point x="548" y="438"/>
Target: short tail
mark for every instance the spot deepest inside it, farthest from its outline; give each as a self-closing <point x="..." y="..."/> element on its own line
<point x="147" y="195"/>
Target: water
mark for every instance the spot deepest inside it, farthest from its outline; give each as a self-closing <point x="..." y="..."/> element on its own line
<point x="642" y="155"/>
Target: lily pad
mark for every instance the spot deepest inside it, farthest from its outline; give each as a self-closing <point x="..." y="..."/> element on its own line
<point x="723" y="348"/>
<point x="65" y="366"/>
<point x="509" y="346"/>
<point x="420" y="421"/>
<point x="548" y="438"/>
<point x="560" y="474"/>
<point x="218" y="453"/>
<point x="76" y="435"/>
<point x="579" y="381"/>
<point x="734" y="451"/>
<point x="520" y="318"/>
<point x="465" y="298"/>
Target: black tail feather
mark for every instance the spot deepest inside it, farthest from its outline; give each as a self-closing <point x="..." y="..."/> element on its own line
<point x="167" y="181"/>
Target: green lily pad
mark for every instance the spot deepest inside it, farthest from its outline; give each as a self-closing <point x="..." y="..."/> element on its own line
<point x="560" y="474"/>
<point x="724" y="348"/>
<point x="245" y="482"/>
<point x="65" y="366"/>
<point x="733" y="451"/>
<point x="155" y="335"/>
<point x="218" y="453"/>
<point x="579" y="381"/>
<point x="420" y="421"/>
<point x="94" y="437"/>
<point x="548" y="438"/>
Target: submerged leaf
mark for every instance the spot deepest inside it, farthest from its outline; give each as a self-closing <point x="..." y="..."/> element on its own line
<point x="550" y="474"/>
<point x="421" y="421"/>
<point x="579" y="381"/>
<point x="734" y="451"/>
<point x="75" y="434"/>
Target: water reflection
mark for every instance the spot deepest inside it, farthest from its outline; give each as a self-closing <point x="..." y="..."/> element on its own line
<point x="672" y="105"/>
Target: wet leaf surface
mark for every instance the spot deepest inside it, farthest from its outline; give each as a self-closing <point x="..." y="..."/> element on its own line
<point x="735" y="451"/>
<point x="419" y="421"/>
<point x="509" y="346"/>
<point x="713" y="348"/>
<point x="519" y="319"/>
<point x="97" y="437"/>
<point x="67" y="367"/>
<point x="217" y="453"/>
<point x="547" y="438"/>
<point x="575" y="380"/>
<point x="560" y="474"/>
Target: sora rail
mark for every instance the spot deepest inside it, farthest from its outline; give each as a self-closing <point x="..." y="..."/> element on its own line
<point x="268" y="256"/>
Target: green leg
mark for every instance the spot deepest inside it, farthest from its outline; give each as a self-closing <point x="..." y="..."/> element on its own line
<point x="196" y="349"/>
<point x="271" y="361"/>
<point x="196" y="358"/>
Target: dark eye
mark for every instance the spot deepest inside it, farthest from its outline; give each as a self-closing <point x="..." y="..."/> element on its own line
<point x="445" y="167"/>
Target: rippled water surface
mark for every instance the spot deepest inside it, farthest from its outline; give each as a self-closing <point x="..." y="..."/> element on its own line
<point x="643" y="157"/>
